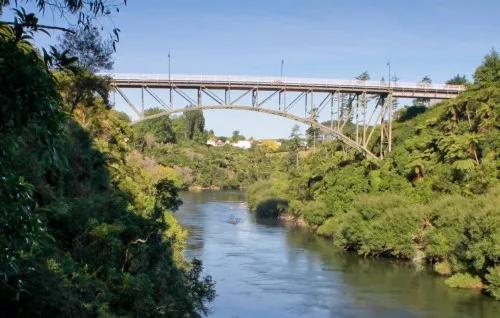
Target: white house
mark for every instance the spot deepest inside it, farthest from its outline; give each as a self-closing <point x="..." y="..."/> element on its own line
<point x="215" y="143"/>
<point x="243" y="144"/>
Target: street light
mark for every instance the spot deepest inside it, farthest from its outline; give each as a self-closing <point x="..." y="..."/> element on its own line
<point x="389" y="65"/>
<point x="169" y="79"/>
<point x="281" y="73"/>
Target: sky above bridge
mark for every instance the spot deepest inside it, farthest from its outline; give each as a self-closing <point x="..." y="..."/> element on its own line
<point x="321" y="38"/>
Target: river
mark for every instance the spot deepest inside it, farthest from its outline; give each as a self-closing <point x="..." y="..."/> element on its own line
<point x="263" y="269"/>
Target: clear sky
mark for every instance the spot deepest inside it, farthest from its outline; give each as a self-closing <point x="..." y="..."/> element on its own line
<point x="316" y="38"/>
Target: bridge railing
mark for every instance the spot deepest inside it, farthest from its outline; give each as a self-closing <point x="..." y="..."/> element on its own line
<point x="295" y="81"/>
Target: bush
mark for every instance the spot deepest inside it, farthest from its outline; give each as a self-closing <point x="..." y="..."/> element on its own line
<point x="464" y="280"/>
<point x="443" y="268"/>
<point x="493" y="279"/>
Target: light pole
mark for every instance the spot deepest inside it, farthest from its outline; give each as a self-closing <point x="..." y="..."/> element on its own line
<point x="169" y="79"/>
<point x="389" y="65"/>
<point x="282" y="64"/>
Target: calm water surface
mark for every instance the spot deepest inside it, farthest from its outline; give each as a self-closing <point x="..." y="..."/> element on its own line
<point x="263" y="269"/>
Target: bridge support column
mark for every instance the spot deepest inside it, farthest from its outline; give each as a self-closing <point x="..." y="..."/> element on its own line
<point x="357" y="118"/>
<point x="364" y="106"/>
<point x="386" y="125"/>
<point x="255" y="99"/>
<point x="142" y="101"/>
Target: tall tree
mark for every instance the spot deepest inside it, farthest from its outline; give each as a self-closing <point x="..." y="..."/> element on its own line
<point x="420" y="101"/>
<point x="89" y="48"/>
<point x="159" y="128"/>
<point x="365" y="76"/>
<point x="195" y="123"/>
<point x="293" y="145"/>
<point x="313" y="134"/>
<point x="489" y="71"/>
<point x="237" y="136"/>
<point x="457" y="80"/>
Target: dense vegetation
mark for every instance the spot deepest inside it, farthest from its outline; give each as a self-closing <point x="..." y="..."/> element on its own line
<point x="433" y="199"/>
<point x="179" y="143"/>
<point x="86" y="224"/>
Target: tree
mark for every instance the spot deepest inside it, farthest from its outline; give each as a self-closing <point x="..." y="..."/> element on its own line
<point x="293" y="145"/>
<point x="81" y="232"/>
<point x="76" y="14"/>
<point x="295" y="134"/>
<point x="236" y="136"/>
<point x="426" y="80"/>
<point x="363" y="76"/>
<point x="312" y="134"/>
<point x="92" y="51"/>
<point x="195" y="123"/>
<point x="420" y="101"/>
<point x="159" y="128"/>
<point x="489" y="71"/>
<point x="457" y="80"/>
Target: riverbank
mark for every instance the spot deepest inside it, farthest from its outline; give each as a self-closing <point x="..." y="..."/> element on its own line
<point x="264" y="269"/>
<point x="460" y="228"/>
<point x="433" y="199"/>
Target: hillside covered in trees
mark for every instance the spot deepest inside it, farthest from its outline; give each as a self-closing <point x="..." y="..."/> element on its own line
<point x="434" y="199"/>
<point x="180" y="144"/>
<point x="85" y="229"/>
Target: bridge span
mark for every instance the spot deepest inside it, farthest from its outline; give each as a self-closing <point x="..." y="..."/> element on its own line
<point x="397" y="89"/>
<point x="368" y="106"/>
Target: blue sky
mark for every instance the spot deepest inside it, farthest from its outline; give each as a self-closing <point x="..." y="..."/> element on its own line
<point x="317" y="38"/>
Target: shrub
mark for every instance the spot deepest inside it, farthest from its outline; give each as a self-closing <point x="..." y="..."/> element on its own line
<point x="443" y="268"/>
<point x="493" y="279"/>
<point x="464" y="280"/>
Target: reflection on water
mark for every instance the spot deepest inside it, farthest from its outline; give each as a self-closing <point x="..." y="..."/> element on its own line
<point x="265" y="270"/>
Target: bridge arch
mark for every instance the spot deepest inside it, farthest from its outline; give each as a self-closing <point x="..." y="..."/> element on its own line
<point x="340" y="136"/>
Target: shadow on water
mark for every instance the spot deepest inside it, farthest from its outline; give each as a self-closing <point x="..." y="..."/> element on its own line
<point x="271" y="208"/>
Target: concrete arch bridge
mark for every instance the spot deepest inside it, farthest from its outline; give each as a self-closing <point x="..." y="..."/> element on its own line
<point x="366" y="105"/>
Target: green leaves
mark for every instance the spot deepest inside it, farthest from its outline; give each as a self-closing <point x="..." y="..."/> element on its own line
<point x="55" y="59"/>
<point x="493" y="279"/>
<point x="489" y="72"/>
<point x="80" y="232"/>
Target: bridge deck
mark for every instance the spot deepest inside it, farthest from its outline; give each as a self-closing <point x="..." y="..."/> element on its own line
<point x="398" y="89"/>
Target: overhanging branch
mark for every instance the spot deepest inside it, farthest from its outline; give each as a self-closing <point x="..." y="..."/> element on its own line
<point x="41" y="26"/>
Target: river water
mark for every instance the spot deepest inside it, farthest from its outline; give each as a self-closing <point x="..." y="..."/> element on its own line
<point x="263" y="269"/>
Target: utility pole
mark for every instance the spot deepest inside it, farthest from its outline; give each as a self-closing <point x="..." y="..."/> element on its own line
<point x="170" y="79"/>
<point x="389" y="65"/>
<point x="282" y="64"/>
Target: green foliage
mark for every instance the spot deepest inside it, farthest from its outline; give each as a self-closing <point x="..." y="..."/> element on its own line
<point x="195" y="125"/>
<point x="363" y="76"/>
<point x="87" y="45"/>
<point x="464" y="280"/>
<point x="458" y="80"/>
<point x="443" y="268"/>
<point x="493" y="279"/>
<point x="489" y="71"/>
<point x="267" y="198"/>
<point x="409" y="112"/>
<point x="202" y="166"/>
<point x="83" y="233"/>
<point x="236" y="136"/>
<point x="151" y="131"/>
<point x="435" y="198"/>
